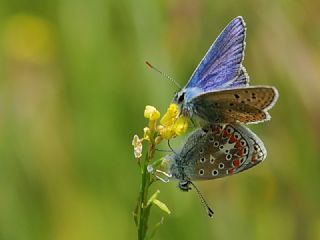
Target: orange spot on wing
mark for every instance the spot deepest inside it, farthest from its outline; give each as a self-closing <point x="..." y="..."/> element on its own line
<point x="216" y="130"/>
<point x="232" y="139"/>
<point x="236" y="162"/>
<point x="238" y="145"/>
<point x="241" y="152"/>
<point x="253" y="159"/>
<point x="225" y="133"/>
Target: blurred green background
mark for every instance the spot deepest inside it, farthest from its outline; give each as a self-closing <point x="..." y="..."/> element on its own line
<point x="73" y="87"/>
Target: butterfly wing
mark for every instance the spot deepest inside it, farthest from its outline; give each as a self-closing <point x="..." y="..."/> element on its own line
<point x="257" y="150"/>
<point x="221" y="150"/>
<point x="242" y="80"/>
<point x="225" y="152"/>
<point x="245" y="105"/>
<point x="259" y="154"/>
<point x="182" y="163"/>
<point x="221" y="64"/>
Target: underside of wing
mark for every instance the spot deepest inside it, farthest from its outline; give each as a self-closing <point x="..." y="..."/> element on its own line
<point x="226" y="150"/>
<point x="257" y="150"/>
<point x="259" y="154"/>
<point x="222" y="62"/>
<point x="244" y="105"/>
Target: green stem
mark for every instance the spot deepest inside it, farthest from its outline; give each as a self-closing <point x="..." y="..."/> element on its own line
<point x="144" y="211"/>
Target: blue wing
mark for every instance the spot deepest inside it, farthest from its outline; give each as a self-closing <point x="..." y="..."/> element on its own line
<point x="241" y="81"/>
<point x="222" y="62"/>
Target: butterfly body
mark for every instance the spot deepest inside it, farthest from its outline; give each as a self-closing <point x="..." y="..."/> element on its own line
<point x="218" y="90"/>
<point x="219" y="151"/>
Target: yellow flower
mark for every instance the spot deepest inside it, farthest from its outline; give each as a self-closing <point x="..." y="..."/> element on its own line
<point x="172" y="124"/>
<point x="166" y="132"/>
<point x="137" y="146"/>
<point x="181" y="125"/>
<point x="151" y="113"/>
<point x="146" y="133"/>
<point x="170" y="116"/>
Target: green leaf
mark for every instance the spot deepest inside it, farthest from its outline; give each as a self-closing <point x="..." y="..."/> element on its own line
<point x="153" y="197"/>
<point x="161" y="205"/>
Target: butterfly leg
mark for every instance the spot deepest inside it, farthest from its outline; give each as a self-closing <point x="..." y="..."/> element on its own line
<point x="169" y="145"/>
<point x="163" y="150"/>
<point x="155" y="171"/>
<point x="192" y="121"/>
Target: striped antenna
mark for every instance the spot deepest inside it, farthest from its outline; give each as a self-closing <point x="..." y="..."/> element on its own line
<point x="163" y="74"/>
<point x="203" y="201"/>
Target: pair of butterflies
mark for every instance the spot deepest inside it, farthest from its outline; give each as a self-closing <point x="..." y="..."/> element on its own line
<point x="219" y="94"/>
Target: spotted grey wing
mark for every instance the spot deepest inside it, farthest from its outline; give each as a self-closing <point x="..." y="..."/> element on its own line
<point x="182" y="163"/>
<point x="244" y="105"/>
<point x="226" y="151"/>
<point x="258" y="155"/>
<point x="222" y="150"/>
<point x="221" y="64"/>
<point x="257" y="150"/>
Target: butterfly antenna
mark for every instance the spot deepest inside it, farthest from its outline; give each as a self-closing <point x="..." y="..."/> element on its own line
<point x="203" y="201"/>
<point x="163" y="74"/>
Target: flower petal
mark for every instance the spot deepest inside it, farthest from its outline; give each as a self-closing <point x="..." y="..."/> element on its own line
<point x="181" y="125"/>
<point x="151" y="113"/>
<point x="137" y="146"/>
<point x="166" y="132"/>
<point x="146" y="133"/>
<point x="170" y="116"/>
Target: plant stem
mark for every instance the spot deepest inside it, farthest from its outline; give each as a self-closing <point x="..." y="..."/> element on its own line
<point x="143" y="209"/>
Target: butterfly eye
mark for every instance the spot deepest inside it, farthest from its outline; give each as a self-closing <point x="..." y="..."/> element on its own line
<point x="181" y="98"/>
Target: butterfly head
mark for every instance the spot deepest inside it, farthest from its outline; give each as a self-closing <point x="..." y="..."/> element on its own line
<point x="178" y="173"/>
<point x="174" y="168"/>
<point x="182" y="99"/>
<point x="184" y="185"/>
<point x="179" y="97"/>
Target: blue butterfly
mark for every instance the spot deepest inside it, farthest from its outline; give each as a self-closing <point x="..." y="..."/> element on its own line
<point x="218" y="90"/>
